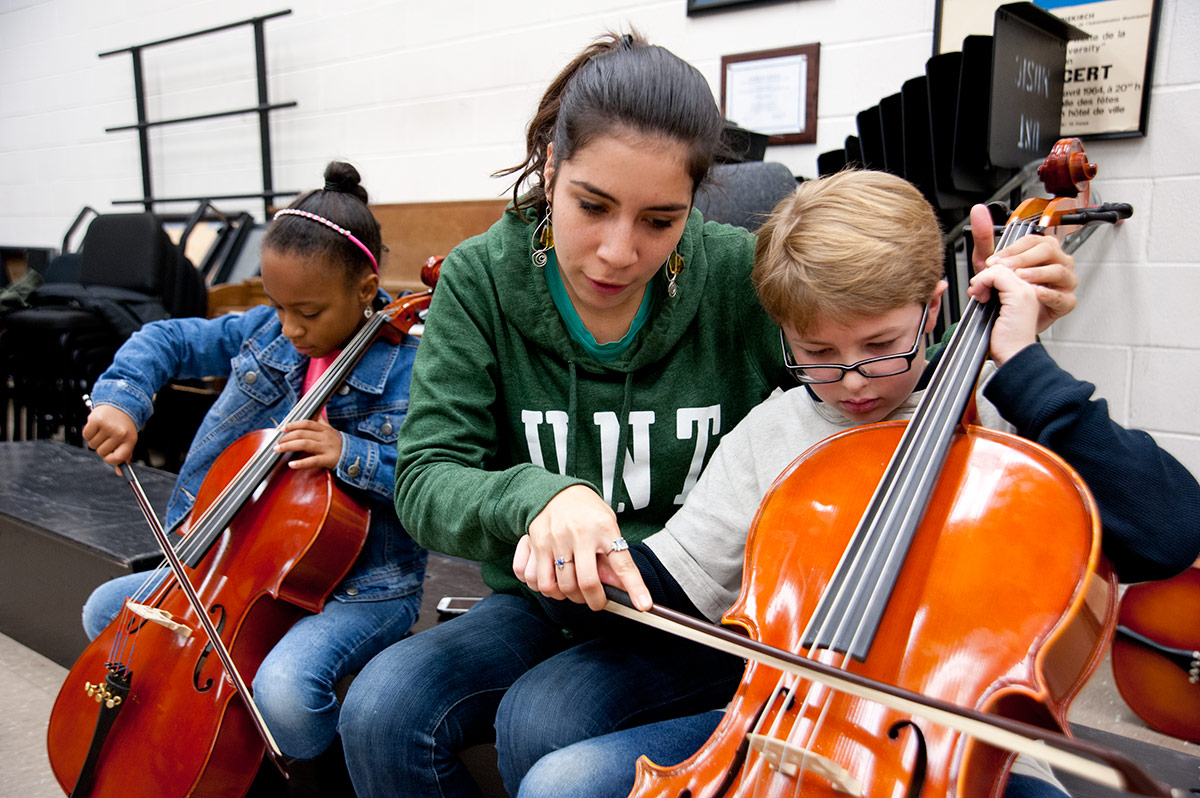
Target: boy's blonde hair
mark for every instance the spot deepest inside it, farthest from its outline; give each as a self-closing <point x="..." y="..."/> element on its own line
<point x="851" y="245"/>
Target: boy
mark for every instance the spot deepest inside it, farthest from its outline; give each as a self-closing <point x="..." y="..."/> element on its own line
<point x="850" y="267"/>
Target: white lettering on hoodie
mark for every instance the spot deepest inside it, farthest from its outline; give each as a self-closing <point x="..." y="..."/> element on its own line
<point x="636" y="474"/>
<point x="557" y="419"/>
<point x="706" y="421"/>
<point x="699" y="423"/>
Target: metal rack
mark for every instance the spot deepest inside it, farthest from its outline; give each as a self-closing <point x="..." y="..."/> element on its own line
<point x="263" y="109"/>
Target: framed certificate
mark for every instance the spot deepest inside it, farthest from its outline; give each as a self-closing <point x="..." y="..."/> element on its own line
<point x="773" y="92"/>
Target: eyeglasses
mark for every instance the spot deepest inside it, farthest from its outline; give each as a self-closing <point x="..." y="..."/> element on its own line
<point x="884" y="366"/>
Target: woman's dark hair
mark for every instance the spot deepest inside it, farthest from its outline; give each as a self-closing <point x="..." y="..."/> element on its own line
<point x="619" y="82"/>
<point x="342" y="201"/>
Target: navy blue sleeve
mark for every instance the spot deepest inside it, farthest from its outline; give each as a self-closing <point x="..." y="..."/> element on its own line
<point x="1149" y="503"/>
<point x="664" y="591"/>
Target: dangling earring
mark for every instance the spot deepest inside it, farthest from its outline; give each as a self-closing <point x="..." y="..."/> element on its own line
<point x="543" y="234"/>
<point x="367" y="312"/>
<point x="673" y="267"/>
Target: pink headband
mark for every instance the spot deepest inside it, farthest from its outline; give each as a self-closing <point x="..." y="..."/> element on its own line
<point x="331" y="226"/>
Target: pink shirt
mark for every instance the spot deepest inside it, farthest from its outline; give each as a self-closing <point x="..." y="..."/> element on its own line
<point x="316" y="367"/>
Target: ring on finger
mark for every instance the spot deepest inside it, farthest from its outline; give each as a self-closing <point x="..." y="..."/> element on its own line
<point x="620" y="544"/>
<point x="561" y="562"/>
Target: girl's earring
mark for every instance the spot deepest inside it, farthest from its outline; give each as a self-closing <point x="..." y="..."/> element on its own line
<point x="543" y="237"/>
<point x="368" y="312"/>
<point x="673" y="267"/>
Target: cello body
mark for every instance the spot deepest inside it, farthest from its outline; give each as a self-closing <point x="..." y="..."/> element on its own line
<point x="1156" y="653"/>
<point x="1004" y="604"/>
<point x="182" y="729"/>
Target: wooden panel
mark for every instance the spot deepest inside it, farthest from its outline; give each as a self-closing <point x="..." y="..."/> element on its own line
<point x="235" y="297"/>
<point x="413" y="231"/>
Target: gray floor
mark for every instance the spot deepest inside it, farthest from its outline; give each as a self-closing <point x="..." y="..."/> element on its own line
<point x="29" y="683"/>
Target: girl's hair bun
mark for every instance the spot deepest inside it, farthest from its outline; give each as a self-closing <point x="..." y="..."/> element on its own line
<point x="341" y="176"/>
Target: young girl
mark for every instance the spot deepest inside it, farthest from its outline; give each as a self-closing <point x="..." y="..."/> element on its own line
<point x="320" y="271"/>
<point x="581" y="360"/>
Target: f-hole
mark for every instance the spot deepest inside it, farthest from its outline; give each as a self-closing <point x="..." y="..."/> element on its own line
<point x="917" y="785"/>
<point x="219" y="612"/>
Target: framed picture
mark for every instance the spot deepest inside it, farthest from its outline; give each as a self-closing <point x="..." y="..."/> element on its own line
<point x="701" y="6"/>
<point x="1108" y="75"/>
<point x="773" y="92"/>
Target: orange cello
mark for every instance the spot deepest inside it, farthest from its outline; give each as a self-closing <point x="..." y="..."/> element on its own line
<point x="154" y="706"/>
<point x="969" y="584"/>
<point x="1156" y="653"/>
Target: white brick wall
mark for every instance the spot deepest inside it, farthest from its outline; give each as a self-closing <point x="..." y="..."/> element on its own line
<point x="429" y="98"/>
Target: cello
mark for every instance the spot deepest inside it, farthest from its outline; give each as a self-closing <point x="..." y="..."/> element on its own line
<point x="157" y="704"/>
<point x="922" y="585"/>
<point x="1156" y="653"/>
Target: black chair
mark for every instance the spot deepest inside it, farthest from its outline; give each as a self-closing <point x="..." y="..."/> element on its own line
<point x="744" y="194"/>
<point x="129" y="273"/>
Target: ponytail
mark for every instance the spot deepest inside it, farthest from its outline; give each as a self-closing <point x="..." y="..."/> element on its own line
<point x="619" y="81"/>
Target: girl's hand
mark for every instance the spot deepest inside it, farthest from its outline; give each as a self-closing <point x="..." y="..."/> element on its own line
<point x="568" y="552"/>
<point x="320" y="442"/>
<point x="1038" y="260"/>
<point x="112" y="433"/>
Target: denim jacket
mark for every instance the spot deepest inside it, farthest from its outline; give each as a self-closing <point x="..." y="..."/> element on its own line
<point x="265" y="379"/>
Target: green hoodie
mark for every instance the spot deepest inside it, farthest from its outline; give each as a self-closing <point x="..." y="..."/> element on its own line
<point x="506" y="410"/>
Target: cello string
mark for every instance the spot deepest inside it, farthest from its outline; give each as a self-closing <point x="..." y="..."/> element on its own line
<point x="876" y="521"/>
<point x="247" y="480"/>
<point x="121" y="650"/>
<point x="914" y="470"/>
<point x="754" y="772"/>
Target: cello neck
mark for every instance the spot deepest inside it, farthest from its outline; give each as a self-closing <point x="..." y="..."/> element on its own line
<point x="213" y="521"/>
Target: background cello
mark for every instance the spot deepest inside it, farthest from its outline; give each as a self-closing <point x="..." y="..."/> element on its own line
<point x="1156" y="653"/>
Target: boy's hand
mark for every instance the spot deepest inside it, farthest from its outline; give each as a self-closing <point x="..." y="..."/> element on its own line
<point x="320" y="442"/>
<point x="1038" y="260"/>
<point x="112" y="433"/>
<point x="578" y="527"/>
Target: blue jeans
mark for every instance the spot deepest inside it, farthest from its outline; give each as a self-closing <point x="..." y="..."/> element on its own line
<point x="505" y="671"/>
<point x="294" y="685"/>
<point x="604" y="767"/>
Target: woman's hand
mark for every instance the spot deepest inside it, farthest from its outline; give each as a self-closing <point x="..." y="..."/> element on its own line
<point x="112" y="433"/>
<point x="1016" y="326"/>
<point x="321" y="443"/>
<point x="1038" y="260"/>
<point x="569" y="552"/>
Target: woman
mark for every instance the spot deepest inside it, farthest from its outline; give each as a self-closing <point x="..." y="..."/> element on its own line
<point x="581" y="360"/>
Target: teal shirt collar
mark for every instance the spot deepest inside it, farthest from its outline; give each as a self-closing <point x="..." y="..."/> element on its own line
<point x="603" y="353"/>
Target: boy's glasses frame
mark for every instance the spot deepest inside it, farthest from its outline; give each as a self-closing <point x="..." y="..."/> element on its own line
<point x="799" y="370"/>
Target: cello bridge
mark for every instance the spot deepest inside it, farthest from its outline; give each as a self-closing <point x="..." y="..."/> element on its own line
<point x="160" y="617"/>
<point x="790" y="760"/>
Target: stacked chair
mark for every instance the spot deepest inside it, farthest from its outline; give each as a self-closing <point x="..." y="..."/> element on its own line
<point x="127" y="272"/>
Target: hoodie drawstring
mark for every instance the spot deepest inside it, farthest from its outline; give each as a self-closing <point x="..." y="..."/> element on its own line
<point x="622" y="439"/>
<point x="572" y="422"/>
<point x="622" y="436"/>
